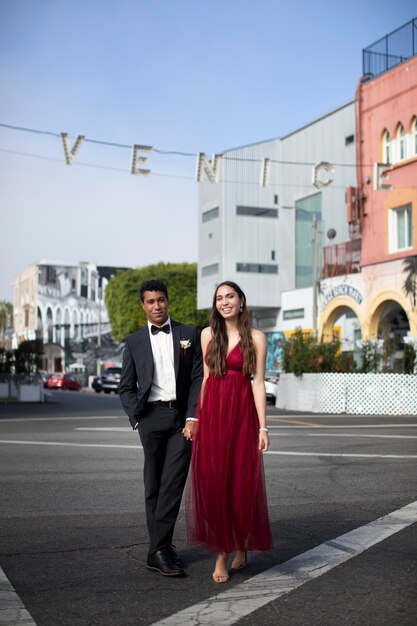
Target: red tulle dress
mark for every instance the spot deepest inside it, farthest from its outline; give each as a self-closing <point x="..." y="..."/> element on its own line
<point x="226" y="504"/>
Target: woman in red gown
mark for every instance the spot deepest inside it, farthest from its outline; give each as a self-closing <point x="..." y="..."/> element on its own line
<point x="226" y="496"/>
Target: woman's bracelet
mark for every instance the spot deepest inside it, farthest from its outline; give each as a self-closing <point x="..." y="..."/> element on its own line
<point x="265" y="430"/>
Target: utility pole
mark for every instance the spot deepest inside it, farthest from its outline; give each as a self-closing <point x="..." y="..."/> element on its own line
<point x="99" y="334"/>
<point x="314" y="270"/>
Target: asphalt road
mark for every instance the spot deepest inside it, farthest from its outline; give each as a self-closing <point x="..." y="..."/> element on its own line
<point x="74" y="540"/>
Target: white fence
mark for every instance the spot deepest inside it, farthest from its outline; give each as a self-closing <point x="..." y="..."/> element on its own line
<point x="368" y="394"/>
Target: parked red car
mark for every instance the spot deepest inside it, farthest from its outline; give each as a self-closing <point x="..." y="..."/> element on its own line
<point x="63" y="381"/>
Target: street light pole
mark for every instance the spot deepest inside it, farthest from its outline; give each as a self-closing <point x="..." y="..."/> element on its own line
<point x="314" y="271"/>
<point x="98" y="364"/>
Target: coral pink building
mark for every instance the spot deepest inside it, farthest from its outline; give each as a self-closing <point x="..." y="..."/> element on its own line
<point x="375" y="283"/>
<point x="387" y="124"/>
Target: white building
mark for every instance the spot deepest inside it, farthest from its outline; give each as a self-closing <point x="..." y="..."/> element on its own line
<point x="256" y="218"/>
<point x="58" y="302"/>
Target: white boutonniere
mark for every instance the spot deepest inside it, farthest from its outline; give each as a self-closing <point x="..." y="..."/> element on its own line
<point x="185" y="343"/>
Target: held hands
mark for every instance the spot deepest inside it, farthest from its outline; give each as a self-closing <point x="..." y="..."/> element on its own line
<point x="263" y="440"/>
<point x="188" y="430"/>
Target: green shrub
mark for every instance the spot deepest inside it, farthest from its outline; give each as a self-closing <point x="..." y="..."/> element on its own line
<point x="303" y="354"/>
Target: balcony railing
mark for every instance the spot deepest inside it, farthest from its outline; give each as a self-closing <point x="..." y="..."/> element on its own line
<point x="342" y="258"/>
<point x="391" y="50"/>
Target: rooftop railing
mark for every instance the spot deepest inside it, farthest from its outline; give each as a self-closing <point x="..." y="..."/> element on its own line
<point x="391" y="50"/>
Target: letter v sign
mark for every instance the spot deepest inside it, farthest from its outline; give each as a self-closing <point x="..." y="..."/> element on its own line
<point x="69" y="153"/>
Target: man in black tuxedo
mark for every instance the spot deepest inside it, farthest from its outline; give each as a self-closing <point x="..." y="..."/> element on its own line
<point x="160" y="381"/>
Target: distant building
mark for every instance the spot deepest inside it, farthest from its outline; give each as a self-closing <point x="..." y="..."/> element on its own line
<point x="257" y="230"/>
<point x="63" y="305"/>
<point x="381" y="300"/>
<point x="339" y="258"/>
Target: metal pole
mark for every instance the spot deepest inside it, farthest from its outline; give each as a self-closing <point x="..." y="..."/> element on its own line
<point x="99" y="324"/>
<point x="99" y="337"/>
<point x="314" y="268"/>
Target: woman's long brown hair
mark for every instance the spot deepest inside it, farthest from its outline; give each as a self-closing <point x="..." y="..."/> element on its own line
<point x="217" y="353"/>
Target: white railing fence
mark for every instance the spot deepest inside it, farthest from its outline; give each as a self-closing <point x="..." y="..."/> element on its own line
<point x="367" y="394"/>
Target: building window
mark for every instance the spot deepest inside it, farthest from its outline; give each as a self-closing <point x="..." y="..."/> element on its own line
<point x="84" y="283"/>
<point x="210" y="235"/>
<point x="400" y="228"/>
<point x="386" y="147"/>
<point x="207" y="216"/>
<point x="304" y="210"/>
<point x="50" y="274"/>
<point x="272" y="255"/>
<point x="349" y="139"/>
<point x="293" y="314"/>
<point x="256" y="211"/>
<point x="257" y="268"/>
<point x="401" y="142"/>
<point x="414" y="135"/>
<point x="266" y="322"/>
<point x="209" y="270"/>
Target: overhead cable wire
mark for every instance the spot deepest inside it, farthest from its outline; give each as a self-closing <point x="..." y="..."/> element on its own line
<point x="177" y="176"/>
<point x="176" y="152"/>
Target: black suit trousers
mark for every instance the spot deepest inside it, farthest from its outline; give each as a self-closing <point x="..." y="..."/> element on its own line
<point x="167" y="457"/>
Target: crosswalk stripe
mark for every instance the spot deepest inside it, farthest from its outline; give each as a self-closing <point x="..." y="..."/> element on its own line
<point x="235" y="603"/>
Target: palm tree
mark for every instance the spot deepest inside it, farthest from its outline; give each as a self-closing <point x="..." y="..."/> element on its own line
<point x="410" y="282"/>
<point x="6" y="309"/>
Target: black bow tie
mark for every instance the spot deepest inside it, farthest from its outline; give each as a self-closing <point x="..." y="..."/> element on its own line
<point x="155" y="329"/>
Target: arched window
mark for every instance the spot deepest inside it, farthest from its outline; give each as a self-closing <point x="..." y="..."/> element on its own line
<point x="414" y="135"/>
<point x="401" y="142"/>
<point x="386" y="147"/>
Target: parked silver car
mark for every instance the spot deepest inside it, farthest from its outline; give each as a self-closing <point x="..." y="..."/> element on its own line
<point x="110" y="379"/>
<point x="271" y="385"/>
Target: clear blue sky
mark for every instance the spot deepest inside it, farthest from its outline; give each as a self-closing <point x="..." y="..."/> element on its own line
<point x="175" y="74"/>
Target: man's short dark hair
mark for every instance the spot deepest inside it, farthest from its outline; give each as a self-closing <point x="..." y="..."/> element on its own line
<point x="152" y="285"/>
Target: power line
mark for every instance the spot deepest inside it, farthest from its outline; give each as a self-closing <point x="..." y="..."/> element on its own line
<point x="113" y="144"/>
<point x="177" y="176"/>
<point x="176" y="153"/>
<point x="158" y="174"/>
<point x="168" y="152"/>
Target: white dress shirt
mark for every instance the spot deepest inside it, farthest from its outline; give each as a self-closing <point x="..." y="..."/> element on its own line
<point x="163" y="384"/>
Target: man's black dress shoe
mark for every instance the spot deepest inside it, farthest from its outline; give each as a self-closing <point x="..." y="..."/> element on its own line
<point x="174" y="556"/>
<point x="160" y="562"/>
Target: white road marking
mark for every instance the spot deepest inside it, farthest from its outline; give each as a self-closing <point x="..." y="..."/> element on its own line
<point x="229" y="606"/>
<point x="126" y="429"/>
<point x="335" y="416"/>
<point x="328" y="427"/>
<point x="64" y="417"/>
<point x="270" y="426"/>
<point x="135" y="447"/>
<point x="69" y="444"/>
<point x="326" y="435"/>
<point x="12" y="608"/>
<point x="358" y="456"/>
<point x="107" y="429"/>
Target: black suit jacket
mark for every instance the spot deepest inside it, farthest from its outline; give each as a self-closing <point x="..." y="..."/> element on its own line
<point x="138" y="368"/>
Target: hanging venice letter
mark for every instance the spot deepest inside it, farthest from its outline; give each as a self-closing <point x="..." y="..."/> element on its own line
<point x="134" y="169"/>
<point x="69" y="153"/>
<point x="211" y="170"/>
